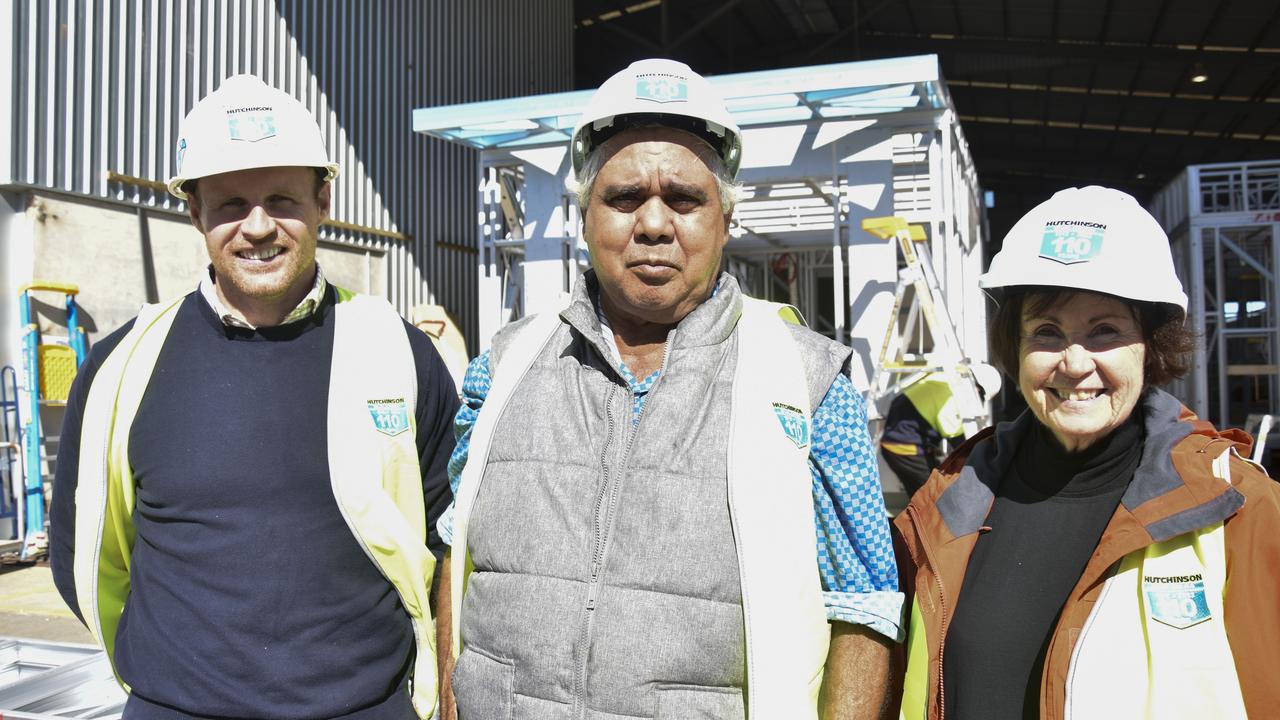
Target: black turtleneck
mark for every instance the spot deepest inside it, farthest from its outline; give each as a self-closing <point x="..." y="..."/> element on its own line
<point x="1049" y="513"/>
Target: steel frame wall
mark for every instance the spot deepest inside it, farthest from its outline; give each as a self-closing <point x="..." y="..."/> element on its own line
<point x="1194" y="209"/>
<point x="100" y="86"/>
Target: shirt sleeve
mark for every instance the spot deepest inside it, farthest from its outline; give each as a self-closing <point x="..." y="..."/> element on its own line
<point x="436" y="405"/>
<point x="855" y="551"/>
<point x="475" y="387"/>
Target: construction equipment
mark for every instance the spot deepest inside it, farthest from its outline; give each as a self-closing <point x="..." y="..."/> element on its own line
<point x="49" y="367"/>
<point x="896" y="368"/>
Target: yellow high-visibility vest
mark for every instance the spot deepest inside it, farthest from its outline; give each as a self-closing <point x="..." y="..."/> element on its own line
<point x="385" y="511"/>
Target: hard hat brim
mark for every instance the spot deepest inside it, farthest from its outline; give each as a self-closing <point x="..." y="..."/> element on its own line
<point x="176" y="182"/>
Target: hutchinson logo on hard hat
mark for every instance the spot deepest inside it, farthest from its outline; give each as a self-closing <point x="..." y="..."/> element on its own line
<point x="1072" y="241"/>
<point x="662" y="88"/>
<point x="243" y="125"/>
<point x="251" y="124"/>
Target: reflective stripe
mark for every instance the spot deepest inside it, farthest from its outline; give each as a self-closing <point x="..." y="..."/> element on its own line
<point x="372" y="361"/>
<point x="512" y="366"/>
<point x="104" y="539"/>
<point x="901" y="448"/>
<point x="771" y="508"/>
<point x="915" y="691"/>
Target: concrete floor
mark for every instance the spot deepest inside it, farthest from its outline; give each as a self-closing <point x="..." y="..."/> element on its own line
<point x="30" y="607"/>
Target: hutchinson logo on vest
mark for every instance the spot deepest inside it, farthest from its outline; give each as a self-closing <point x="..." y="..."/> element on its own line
<point x="390" y="417"/>
<point x="794" y="423"/>
<point x="1178" y="601"/>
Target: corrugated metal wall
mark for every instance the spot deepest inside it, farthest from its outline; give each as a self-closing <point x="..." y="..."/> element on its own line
<point x="101" y="85"/>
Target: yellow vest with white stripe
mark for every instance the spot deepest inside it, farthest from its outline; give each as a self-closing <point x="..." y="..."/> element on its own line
<point x="1129" y="661"/>
<point x="934" y="401"/>
<point x="770" y="507"/>
<point x="385" y="511"/>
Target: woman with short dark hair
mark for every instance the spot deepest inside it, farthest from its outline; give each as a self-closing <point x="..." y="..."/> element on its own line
<point x="1107" y="554"/>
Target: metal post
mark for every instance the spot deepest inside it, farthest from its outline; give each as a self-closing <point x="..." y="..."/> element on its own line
<point x="1199" y="358"/>
<point x="1274" y="320"/>
<point x="837" y="253"/>
<point x="1221" y="420"/>
<point x="31" y="434"/>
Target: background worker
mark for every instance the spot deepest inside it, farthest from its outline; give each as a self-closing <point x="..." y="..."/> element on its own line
<point x="248" y="473"/>
<point x="919" y="418"/>
<point x="643" y="475"/>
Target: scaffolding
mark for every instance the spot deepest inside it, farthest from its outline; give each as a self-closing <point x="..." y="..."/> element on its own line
<point x="1223" y="221"/>
<point x="824" y="148"/>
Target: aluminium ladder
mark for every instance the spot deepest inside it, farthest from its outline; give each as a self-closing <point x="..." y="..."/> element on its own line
<point x="48" y="371"/>
<point x="896" y="368"/>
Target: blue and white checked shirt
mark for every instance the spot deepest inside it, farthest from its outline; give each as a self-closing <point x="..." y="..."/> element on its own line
<point x="855" y="552"/>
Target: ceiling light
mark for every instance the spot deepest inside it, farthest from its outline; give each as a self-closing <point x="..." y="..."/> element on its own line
<point x="1142" y="176"/>
<point x="1199" y="74"/>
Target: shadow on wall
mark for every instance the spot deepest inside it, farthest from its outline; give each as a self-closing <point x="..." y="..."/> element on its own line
<point x="56" y="316"/>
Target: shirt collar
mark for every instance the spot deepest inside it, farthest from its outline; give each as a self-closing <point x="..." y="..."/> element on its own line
<point x="303" y="310"/>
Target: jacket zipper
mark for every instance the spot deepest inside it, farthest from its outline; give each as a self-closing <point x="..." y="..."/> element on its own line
<point x="942" y="612"/>
<point x="593" y="581"/>
<point x="604" y="512"/>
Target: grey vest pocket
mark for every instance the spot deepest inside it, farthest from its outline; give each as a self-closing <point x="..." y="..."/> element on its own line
<point x="699" y="702"/>
<point x="484" y="686"/>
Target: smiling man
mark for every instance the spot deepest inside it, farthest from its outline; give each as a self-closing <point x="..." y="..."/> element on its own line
<point x="667" y="502"/>
<point x="248" y="473"/>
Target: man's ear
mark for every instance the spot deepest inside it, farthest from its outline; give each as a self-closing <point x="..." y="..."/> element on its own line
<point x="193" y="209"/>
<point x="324" y="200"/>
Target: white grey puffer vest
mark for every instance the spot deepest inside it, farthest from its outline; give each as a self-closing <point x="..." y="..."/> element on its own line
<point x="604" y="580"/>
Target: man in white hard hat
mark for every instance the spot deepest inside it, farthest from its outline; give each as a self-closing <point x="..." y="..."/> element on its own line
<point x="248" y="473"/>
<point x="667" y="502"/>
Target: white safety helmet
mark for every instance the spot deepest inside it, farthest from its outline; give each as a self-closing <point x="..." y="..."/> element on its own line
<point x="663" y="92"/>
<point x="1091" y="238"/>
<point x="245" y="124"/>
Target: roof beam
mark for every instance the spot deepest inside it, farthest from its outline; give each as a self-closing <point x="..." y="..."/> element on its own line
<point x="1073" y="52"/>
<point x="697" y="28"/>
<point x="634" y="37"/>
<point x="1109" y="92"/>
<point x="853" y="28"/>
<point x="1114" y="128"/>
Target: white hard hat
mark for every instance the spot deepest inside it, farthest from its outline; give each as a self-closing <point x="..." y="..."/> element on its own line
<point x="989" y="378"/>
<point x="664" y="92"/>
<point x="245" y="124"/>
<point x="1091" y="238"/>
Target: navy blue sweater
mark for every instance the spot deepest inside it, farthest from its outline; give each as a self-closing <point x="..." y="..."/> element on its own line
<point x="250" y="595"/>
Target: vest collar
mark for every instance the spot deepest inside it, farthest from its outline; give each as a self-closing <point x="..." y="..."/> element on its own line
<point x="710" y="323"/>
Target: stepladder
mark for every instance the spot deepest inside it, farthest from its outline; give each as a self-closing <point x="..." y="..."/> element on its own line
<point x="49" y="366"/>
<point x="906" y="356"/>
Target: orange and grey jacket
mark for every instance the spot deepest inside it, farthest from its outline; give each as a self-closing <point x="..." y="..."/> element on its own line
<point x="1196" y="517"/>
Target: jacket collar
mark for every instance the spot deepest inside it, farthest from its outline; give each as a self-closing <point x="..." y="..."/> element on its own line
<point x="1173" y="491"/>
